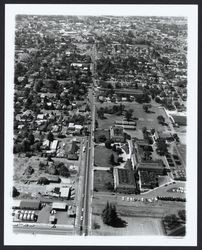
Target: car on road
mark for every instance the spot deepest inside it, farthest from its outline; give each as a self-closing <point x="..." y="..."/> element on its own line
<point x="81" y="218"/>
<point x="123" y="198"/>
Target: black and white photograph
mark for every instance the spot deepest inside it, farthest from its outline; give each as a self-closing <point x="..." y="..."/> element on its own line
<point x="100" y="124"/>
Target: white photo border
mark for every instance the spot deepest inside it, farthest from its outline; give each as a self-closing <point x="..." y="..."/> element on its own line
<point x="189" y="11"/>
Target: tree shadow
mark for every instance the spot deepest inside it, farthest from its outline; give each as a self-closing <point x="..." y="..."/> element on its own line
<point x="119" y="223"/>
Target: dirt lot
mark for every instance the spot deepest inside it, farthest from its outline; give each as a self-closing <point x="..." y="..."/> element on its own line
<point x="101" y="179"/>
<point x="102" y="156"/>
<point x="135" y="226"/>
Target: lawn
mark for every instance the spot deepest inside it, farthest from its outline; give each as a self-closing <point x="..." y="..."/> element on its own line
<point x="148" y="120"/>
<point x="102" y="156"/>
<point x="135" y="226"/>
<point x="100" y="132"/>
<point x="102" y="179"/>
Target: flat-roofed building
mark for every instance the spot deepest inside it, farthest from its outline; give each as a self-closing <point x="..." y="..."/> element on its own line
<point x="124" y="181"/>
<point x="30" y="204"/>
<point x="60" y="206"/>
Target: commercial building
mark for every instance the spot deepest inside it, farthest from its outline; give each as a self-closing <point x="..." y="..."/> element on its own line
<point x="60" y="206"/>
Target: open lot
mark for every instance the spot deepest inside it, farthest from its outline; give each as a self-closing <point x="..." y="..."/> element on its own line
<point x="102" y="156"/>
<point x="135" y="226"/>
<point x="103" y="180"/>
<point x="32" y="190"/>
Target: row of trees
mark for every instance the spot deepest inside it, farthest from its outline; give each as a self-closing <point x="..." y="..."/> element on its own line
<point x="110" y="216"/>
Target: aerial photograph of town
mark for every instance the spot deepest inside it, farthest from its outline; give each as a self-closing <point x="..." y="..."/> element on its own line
<point x="100" y="118"/>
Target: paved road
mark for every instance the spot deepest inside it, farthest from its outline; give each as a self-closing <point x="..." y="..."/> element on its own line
<point x="85" y="206"/>
<point x="44" y="230"/>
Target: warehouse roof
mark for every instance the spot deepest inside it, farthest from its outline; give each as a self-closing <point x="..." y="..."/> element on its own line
<point x="59" y="205"/>
<point x="30" y="204"/>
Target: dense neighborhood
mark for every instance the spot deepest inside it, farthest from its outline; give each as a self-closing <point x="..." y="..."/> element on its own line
<point x="100" y="125"/>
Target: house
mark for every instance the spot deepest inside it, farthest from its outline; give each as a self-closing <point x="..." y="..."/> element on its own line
<point x="78" y="128"/>
<point x="54" y="145"/>
<point x="71" y="126"/>
<point x="117" y="134"/>
<point x="124" y="181"/>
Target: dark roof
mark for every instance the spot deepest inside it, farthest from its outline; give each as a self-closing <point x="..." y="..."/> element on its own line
<point x="30" y="204"/>
<point x="126" y="177"/>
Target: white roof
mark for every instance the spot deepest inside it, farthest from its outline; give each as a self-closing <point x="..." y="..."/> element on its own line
<point x="59" y="205"/>
<point x="54" y="144"/>
<point x="78" y="126"/>
<point x="16" y="203"/>
<point x="64" y="192"/>
<point x="46" y="143"/>
<point x="71" y="125"/>
<point x="40" y="116"/>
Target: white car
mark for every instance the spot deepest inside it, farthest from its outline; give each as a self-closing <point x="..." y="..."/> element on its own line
<point x="123" y="198"/>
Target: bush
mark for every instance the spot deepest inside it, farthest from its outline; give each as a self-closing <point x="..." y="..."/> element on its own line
<point x="15" y="192"/>
<point x="96" y="225"/>
<point x="43" y="181"/>
<point x="42" y="166"/>
<point x="63" y="170"/>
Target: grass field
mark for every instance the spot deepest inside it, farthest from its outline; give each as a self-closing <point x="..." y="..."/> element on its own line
<point x="148" y="120"/>
<point x="102" y="156"/>
<point x="101" y="179"/>
<point x="135" y="226"/>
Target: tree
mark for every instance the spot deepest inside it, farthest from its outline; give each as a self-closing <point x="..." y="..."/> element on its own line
<point x="38" y="85"/>
<point x="128" y="114"/>
<point x="96" y="124"/>
<point x="100" y="113"/>
<point x="162" y="147"/>
<point x="119" y="151"/>
<point x="102" y="138"/>
<point x="130" y="34"/>
<point x="50" y="136"/>
<point x="112" y="160"/>
<point x="161" y="119"/>
<point x="43" y="181"/>
<point x="182" y="215"/>
<point x="108" y="144"/>
<point x="15" y="192"/>
<point x="146" y="107"/>
<point x="63" y="170"/>
<point x="25" y="145"/>
<point x="110" y="216"/>
<point x="31" y="138"/>
<point x="114" y="147"/>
